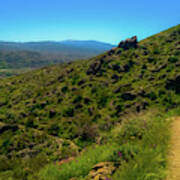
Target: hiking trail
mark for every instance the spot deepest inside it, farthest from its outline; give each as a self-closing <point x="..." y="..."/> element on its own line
<point x="174" y="153"/>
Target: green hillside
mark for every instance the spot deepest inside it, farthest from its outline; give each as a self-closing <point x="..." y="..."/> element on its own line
<point x="82" y="109"/>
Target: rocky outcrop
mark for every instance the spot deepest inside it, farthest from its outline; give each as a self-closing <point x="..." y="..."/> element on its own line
<point x="112" y="51"/>
<point x="129" y="43"/>
<point x="101" y="171"/>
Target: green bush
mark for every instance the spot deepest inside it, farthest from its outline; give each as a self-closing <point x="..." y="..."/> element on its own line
<point x="173" y="59"/>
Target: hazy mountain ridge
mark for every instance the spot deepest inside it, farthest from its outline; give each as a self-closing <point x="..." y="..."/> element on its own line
<point x="54" y="46"/>
<point x="14" y="55"/>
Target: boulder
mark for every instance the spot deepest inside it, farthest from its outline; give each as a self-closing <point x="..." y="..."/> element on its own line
<point x="102" y="170"/>
<point x="128" y="43"/>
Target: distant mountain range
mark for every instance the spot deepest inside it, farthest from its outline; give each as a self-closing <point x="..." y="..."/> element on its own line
<point x="69" y="46"/>
<point x="18" y="55"/>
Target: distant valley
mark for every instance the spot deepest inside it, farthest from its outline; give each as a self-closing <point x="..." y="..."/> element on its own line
<point x="18" y="57"/>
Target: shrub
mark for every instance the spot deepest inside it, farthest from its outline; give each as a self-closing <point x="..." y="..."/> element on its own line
<point x="69" y="112"/>
<point x="77" y="99"/>
<point x="54" y="129"/>
<point x="64" y="89"/>
<point x="173" y="59"/>
<point x="102" y="101"/>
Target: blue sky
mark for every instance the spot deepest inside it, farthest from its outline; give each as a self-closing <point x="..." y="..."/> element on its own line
<point x="103" y="20"/>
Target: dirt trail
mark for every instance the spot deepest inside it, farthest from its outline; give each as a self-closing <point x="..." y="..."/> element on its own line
<point x="174" y="154"/>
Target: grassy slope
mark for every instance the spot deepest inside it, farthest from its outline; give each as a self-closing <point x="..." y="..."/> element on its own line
<point x="59" y="110"/>
<point x="142" y="158"/>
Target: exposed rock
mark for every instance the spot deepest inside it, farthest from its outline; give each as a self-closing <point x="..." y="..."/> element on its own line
<point x="66" y="161"/>
<point x="102" y="170"/>
<point x="112" y="51"/>
<point x="128" y="43"/>
<point x="118" y="51"/>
